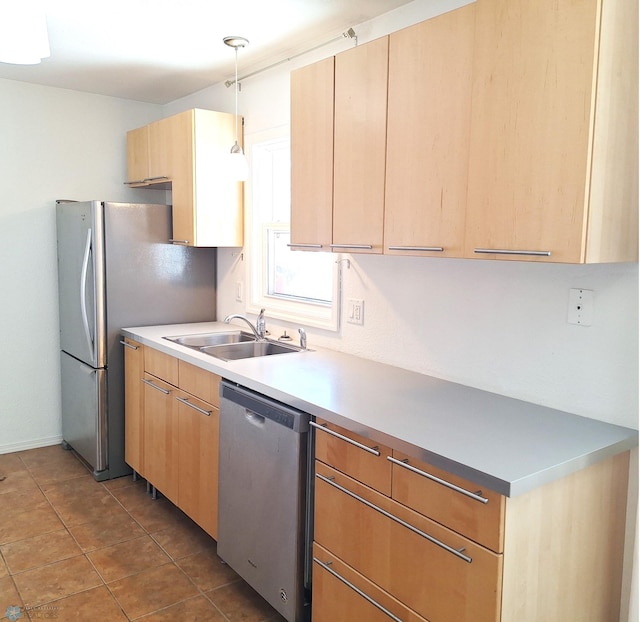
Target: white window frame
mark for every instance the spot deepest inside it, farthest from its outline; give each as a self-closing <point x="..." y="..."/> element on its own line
<point x="291" y="310"/>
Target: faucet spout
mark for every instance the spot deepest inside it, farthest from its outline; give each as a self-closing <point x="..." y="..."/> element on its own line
<point x="259" y="332"/>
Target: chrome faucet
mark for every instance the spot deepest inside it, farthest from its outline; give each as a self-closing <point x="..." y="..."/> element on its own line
<point x="303" y="338"/>
<point x="259" y="330"/>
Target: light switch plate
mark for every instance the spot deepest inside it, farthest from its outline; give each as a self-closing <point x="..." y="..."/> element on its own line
<point x="355" y="311"/>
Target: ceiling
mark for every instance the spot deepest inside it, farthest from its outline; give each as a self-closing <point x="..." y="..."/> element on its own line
<point x="157" y="51"/>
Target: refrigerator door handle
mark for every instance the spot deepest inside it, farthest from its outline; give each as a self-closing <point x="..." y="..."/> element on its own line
<point x="83" y="293"/>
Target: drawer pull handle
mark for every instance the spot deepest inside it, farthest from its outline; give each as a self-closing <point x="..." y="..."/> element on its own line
<point x="324" y="428"/>
<point x="457" y="552"/>
<point x="155" y="386"/>
<point x="128" y="345"/>
<point x="366" y="247"/>
<point x="355" y="589"/>
<point x="304" y="245"/>
<point x="429" y="249"/>
<point x="186" y="402"/>
<point x="476" y="496"/>
<point x="172" y="241"/>
<point x="509" y="251"/>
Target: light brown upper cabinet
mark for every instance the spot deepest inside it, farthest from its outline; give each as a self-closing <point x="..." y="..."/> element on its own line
<point x="312" y="156"/>
<point x="190" y="150"/>
<point x="430" y="71"/>
<point x="360" y="134"/>
<point x="553" y="167"/>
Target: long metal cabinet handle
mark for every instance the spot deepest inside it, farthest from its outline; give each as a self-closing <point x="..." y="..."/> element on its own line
<point x="508" y="251"/>
<point x="371" y="450"/>
<point x="457" y="552"/>
<point x="155" y="386"/>
<point x="178" y="241"/>
<point x="186" y="402"/>
<point x="128" y="345"/>
<point x="357" y="590"/>
<point x="83" y="293"/>
<point x="158" y="178"/>
<point x="358" y="246"/>
<point x="304" y="245"/>
<point x="473" y="495"/>
<point x="434" y="249"/>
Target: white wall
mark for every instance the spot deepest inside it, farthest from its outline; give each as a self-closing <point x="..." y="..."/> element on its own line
<point x="498" y="326"/>
<point x="54" y="144"/>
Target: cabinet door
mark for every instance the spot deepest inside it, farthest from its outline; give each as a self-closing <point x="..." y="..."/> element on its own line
<point x="134" y="405"/>
<point x="340" y="594"/>
<point x="430" y="68"/>
<point x="432" y="570"/>
<point x="312" y="155"/>
<point x="160" y="145"/>
<point x="161" y="436"/>
<point x="360" y="146"/>
<point x="198" y="430"/>
<point x="531" y="123"/>
<point x="138" y="156"/>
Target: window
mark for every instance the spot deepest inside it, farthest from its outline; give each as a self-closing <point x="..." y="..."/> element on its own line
<point x="297" y="286"/>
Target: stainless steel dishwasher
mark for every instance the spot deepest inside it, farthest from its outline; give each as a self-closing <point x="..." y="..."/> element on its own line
<point x="263" y="528"/>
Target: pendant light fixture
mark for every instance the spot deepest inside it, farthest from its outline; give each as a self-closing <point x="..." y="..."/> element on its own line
<point x="23" y="33"/>
<point x="238" y="161"/>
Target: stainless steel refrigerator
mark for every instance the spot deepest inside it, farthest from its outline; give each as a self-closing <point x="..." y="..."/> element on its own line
<point x="116" y="268"/>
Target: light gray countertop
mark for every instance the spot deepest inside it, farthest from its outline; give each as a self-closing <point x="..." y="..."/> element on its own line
<point x="505" y="444"/>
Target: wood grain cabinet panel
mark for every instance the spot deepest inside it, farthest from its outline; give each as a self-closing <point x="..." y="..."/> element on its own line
<point x="362" y="459"/>
<point x="461" y="505"/>
<point x="430" y="78"/>
<point x="312" y="156"/>
<point x="553" y="166"/>
<point x="134" y="405"/>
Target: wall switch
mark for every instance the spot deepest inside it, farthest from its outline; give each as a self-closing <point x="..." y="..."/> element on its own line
<point x="355" y="311"/>
<point x="580" y="307"/>
<point x="239" y="291"/>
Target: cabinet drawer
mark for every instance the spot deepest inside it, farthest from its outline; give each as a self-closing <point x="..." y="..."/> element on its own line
<point x="361" y="459"/>
<point x="161" y="365"/>
<point x="434" y="571"/>
<point x="457" y="503"/>
<point x="199" y="382"/>
<point x="340" y="594"/>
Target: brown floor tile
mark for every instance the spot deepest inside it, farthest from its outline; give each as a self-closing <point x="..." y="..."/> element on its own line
<point x="132" y="495"/>
<point x="94" y="604"/>
<point x="120" y="482"/>
<point x="152" y="589"/>
<point x="127" y="558"/>
<point x="4" y="572"/>
<point x="9" y="596"/>
<point x="197" y="609"/>
<point x="68" y="469"/>
<point x="55" y="581"/>
<point x="156" y="515"/>
<point x="207" y="570"/>
<point x="87" y="508"/>
<point x="71" y="489"/>
<point x="18" y="501"/>
<point x="10" y="463"/>
<point x="29" y="523"/>
<point x="184" y="539"/>
<point x="39" y="550"/>
<point x="45" y="455"/>
<point x="106" y="532"/>
<point x="17" y="480"/>
<point x="238" y="601"/>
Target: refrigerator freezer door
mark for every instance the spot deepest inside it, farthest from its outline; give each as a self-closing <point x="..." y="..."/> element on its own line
<point x="84" y="407"/>
<point x="80" y="232"/>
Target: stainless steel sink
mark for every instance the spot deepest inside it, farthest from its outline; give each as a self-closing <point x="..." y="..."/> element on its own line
<point x="234" y="351"/>
<point x="212" y="339"/>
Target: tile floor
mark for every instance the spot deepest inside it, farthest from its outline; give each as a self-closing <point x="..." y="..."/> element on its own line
<point x="75" y="549"/>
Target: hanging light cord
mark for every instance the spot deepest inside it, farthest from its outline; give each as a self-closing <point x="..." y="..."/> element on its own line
<point x="237" y="145"/>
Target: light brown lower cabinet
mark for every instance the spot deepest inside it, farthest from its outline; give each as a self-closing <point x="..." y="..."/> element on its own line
<point x="172" y="431"/>
<point x="443" y="549"/>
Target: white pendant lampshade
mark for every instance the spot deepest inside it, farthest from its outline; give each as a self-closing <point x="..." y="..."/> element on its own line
<point x="23" y="33"/>
<point x="238" y="166"/>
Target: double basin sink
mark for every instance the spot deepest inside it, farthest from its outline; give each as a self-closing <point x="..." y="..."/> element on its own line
<point x="233" y="345"/>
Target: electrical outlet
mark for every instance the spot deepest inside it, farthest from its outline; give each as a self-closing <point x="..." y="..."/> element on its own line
<point x="239" y="291"/>
<point x="355" y="311"/>
<point x="580" y="307"/>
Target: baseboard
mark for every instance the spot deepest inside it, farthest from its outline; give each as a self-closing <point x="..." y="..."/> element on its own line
<point x="34" y="444"/>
